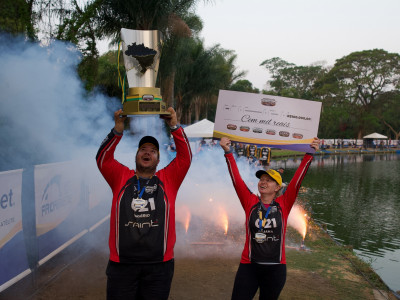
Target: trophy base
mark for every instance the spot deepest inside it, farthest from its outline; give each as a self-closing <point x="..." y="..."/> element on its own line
<point x="140" y="107"/>
<point x="144" y="101"/>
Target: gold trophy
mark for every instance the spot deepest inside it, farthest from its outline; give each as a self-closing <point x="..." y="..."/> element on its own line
<point x="141" y="55"/>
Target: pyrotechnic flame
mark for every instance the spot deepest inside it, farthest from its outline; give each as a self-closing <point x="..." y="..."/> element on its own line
<point x="225" y="222"/>
<point x="183" y="215"/>
<point x="298" y="220"/>
<point x="222" y="217"/>
<point x="305" y="226"/>
<point x="187" y="221"/>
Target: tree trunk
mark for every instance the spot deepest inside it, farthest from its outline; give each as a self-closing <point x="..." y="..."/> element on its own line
<point x="167" y="89"/>
<point x="188" y="116"/>
<point x="396" y="134"/>
<point x="206" y="107"/>
<point x="31" y="25"/>
<point x="197" y="105"/>
<point x="359" y="135"/>
<point x="178" y="108"/>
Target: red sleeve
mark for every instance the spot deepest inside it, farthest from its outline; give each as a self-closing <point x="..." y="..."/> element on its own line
<point x="110" y="168"/>
<point x="176" y="170"/>
<point x="241" y="188"/>
<point x="293" y="188"/>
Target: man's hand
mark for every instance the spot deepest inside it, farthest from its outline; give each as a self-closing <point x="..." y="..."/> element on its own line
<point x="171" y="119"/>
<point x="315" y="144"/>
<point x="119" y="121"/>
<point x="225" y="143"/>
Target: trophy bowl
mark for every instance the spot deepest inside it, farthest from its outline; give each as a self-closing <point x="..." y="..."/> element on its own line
<point x="141" y="53"/>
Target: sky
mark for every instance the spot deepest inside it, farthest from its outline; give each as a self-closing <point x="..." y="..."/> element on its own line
<point x="299" y="31"/>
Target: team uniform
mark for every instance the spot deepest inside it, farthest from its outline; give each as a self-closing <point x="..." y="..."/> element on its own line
<point x="263" y="260"/>
<point x="142" y="221"/>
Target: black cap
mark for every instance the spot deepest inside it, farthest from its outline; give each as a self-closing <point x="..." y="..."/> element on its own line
<point x="150" y="140"/>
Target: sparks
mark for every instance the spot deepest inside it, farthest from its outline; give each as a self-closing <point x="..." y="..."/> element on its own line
<point x="298" y="220"/>
<point x="183" y="215"/>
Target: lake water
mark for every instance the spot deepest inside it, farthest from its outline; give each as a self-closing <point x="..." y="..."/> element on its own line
<point x="358" y="198"/>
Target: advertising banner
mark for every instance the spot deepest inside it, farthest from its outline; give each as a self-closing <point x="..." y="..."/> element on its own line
<point x="99" y="196"/>
<point x="13" y="256"/>
<point x="60" y="211"/>
<point x="265" y="120"/>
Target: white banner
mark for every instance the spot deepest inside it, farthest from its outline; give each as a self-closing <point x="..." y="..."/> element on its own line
<point x="57" y="193"/>
<point x="10" y="205"/>
<point x="274" y="121"/>
<point x="13" y="258"/>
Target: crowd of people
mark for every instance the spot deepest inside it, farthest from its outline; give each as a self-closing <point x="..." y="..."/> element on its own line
<point x="259" y="156"/>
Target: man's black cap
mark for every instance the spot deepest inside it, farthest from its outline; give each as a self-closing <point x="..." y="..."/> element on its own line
<point x="149" y="140"/>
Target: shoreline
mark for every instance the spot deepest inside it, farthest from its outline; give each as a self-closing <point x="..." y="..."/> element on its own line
<point x="285" y="153"/>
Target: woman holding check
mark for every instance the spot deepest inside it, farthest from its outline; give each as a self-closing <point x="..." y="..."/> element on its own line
<point x="263" y="261"/>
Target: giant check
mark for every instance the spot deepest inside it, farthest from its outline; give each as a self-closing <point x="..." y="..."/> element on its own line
<point x="264" y="120"/>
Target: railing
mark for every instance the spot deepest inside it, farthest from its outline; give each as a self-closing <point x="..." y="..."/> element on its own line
<point x="45" y="208"/>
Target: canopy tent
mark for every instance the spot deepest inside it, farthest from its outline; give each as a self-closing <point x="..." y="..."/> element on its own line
<point x="375" y="136"/>
<point x="369" y="140"/>
<point x="201" y="129"/>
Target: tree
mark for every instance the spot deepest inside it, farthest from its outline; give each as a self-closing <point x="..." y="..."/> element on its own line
<point x="355" y="83"/>
<point x="244" y="85"/>
<point x="15" y="16"/>
<point x="388" y="112"/>
<point x="140" y="15"/>
<point x="200" y="74"/>
<point x="173" y="47"/>
<point x="78" y="28"/>
<point x="108" y="73"/>
<point x="31" y="17"/>
<point x="275" y="64"/>
<point x="171" y="17"/>
<point x="289" y="80"/>
<point x="105" y="18"/>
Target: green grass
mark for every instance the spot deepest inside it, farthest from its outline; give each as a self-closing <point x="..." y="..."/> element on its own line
<point x="276" y="153"/>
<point x="337" y="264"/>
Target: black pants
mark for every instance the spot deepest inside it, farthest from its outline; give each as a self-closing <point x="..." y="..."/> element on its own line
<point x="249" y="277"/>
<point x="139" y="281"/>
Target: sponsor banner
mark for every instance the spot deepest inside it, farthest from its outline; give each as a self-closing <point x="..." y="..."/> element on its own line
<point x="60" y="213"/>
<point x="98" y="191"/>
<point x="99" y="197"/>
<point x="265" y="120"/>
<point x="13" y="257"/>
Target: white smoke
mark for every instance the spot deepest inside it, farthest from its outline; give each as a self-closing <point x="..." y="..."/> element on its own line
<point x="46" y="116"/>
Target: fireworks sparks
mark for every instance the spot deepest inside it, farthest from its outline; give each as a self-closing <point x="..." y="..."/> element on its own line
<point x="183" y="215"/>
<point x="187" y="221"/>
<point x="305" y="227"/>
<point x="298" y="219"/>
<point x="225" y="222"/>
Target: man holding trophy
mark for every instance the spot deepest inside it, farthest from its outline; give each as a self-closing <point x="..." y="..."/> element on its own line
<point x="142" y="221"/>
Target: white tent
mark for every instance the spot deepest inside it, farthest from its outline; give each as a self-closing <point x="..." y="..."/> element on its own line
<point x="201" y="129"/>
<point x="375" y="136"/>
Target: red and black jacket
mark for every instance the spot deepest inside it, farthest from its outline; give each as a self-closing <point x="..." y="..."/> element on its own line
<point x="143" y="233"/>
<point x="273" y="250"/>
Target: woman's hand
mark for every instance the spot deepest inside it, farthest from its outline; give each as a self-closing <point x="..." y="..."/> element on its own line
<point x="315" y="144"/>
<point x="225" y="143"/>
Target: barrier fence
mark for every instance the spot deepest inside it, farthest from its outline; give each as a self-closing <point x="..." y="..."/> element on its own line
<point x="45" y="208"/>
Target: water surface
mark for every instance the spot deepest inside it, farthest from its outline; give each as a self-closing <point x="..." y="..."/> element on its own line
<point x="358" y="197"/>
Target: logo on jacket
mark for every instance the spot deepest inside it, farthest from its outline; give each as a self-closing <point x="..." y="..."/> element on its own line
<point x="151" y="189"/>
